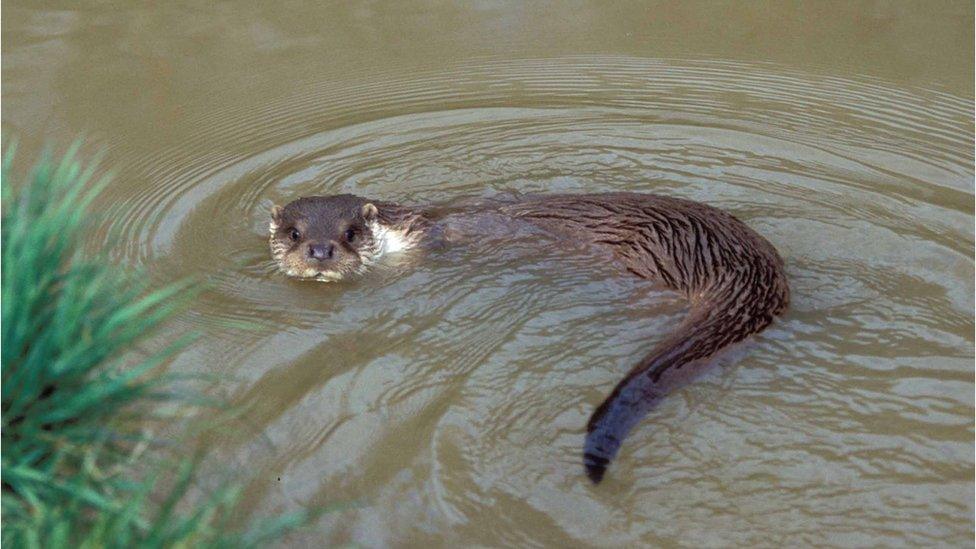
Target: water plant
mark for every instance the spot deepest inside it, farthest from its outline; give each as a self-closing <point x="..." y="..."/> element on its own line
<point x="78" y="467"/>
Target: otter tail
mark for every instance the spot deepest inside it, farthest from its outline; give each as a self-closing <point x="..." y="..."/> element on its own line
<point x="709" y="327"/>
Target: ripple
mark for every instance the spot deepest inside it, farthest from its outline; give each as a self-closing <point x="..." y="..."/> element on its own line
<point x="467" y="380"/>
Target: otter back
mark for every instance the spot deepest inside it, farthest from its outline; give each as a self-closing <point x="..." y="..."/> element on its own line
<point x="733" y="277"/>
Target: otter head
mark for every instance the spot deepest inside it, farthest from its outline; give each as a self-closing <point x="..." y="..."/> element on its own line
<point x="325" y="237"/>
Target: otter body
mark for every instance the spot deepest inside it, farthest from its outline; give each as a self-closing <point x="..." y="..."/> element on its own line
<point x="732" y="277"/>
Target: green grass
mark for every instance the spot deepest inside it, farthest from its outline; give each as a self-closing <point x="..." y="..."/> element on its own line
<point x="77" y="468"/>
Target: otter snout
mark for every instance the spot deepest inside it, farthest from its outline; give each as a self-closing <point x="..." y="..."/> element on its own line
<point x="321" y="252"/>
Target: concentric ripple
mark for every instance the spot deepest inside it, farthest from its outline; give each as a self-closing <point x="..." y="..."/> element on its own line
<point x="450" y="396"/>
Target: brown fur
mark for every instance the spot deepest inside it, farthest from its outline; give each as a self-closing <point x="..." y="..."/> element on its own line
<point x="733" y="278"/>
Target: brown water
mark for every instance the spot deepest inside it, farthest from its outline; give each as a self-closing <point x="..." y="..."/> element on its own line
<point x="444" y="405"/>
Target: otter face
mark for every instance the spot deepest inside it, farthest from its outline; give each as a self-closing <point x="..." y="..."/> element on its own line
<point x="324" y="238"/>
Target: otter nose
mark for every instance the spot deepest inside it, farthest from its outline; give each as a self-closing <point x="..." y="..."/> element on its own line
<point x="321" y="251"/>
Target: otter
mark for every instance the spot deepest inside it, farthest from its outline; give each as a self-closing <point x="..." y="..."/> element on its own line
<point x="733" y="278"/>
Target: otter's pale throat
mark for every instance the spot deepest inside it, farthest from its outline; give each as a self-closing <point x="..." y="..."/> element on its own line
<point x="390" y="239"/>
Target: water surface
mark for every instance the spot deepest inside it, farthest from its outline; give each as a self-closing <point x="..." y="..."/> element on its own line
<point x="443" y="402"/>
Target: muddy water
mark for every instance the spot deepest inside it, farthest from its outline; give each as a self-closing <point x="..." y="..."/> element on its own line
<point x="443" y="403"/>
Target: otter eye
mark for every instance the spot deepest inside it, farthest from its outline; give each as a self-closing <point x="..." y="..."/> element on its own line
<point x="294" y="234"/>
<point x="350" y="234"/>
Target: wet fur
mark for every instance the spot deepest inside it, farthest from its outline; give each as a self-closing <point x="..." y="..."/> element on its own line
<point x="379" y="228"/>
<point x="733" y="278"/>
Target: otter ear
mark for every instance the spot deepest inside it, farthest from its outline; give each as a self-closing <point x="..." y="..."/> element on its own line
<point x="369" y="212"/>
<point x="276" y="213"/>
